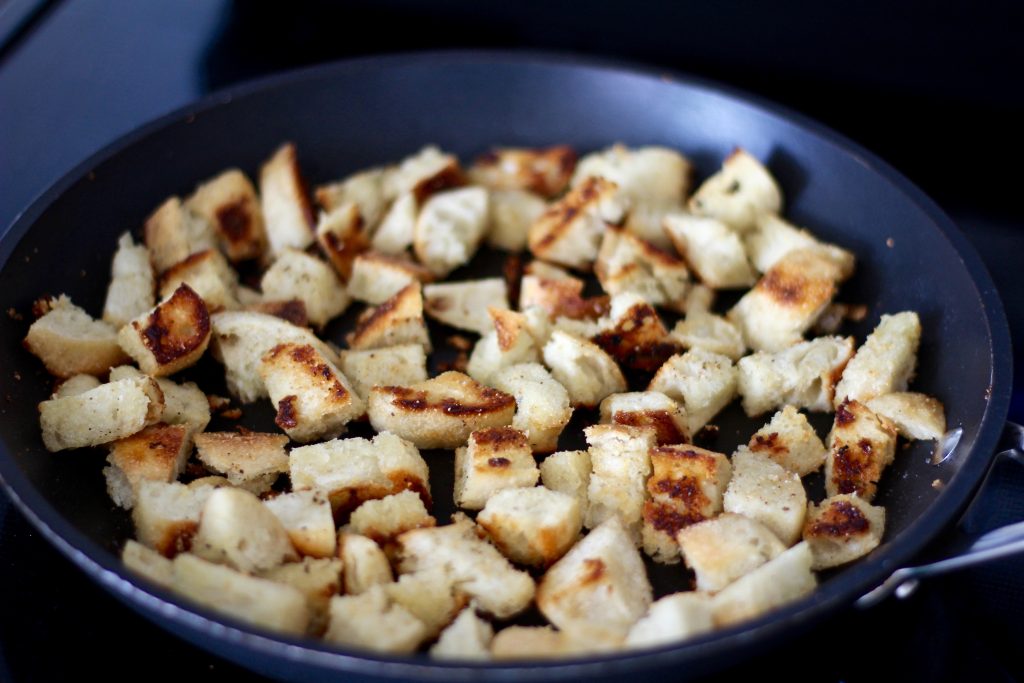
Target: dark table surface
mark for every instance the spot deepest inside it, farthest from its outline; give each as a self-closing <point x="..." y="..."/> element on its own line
<point x="75" y="76"/>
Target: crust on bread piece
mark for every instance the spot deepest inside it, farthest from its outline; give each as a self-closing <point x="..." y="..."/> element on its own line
<point x="171" y="337"/>
<point x="402" y="365"/>
<point x="671" y="619"/>
<point x="782" y="580"/>
<point x="495" y="458"/>
<point x="208" y="273"/>
<point x="702" y="329"/>
<point x="250" y="460"/>
<point x="371" y="621"/>
<point x="387" y="518"/>
<point x="712" y="249"/>
<point x="157" y="453"/>
<point x="626" y="263"/>
<point x="634" y="335"/>
<point x="861" y="445"/>
<point x="512" y="214"/>
<point x="297" y="275"/>
<point x="645" y="175"/>
<point x="534" y="525"/>
<point x="542" y="404"/>
<point x="764" y="490"/>
<point x="166" y="515"/>
<point x="545" y="171"/>
<point x="290" y="310"/>
<point x="583" y="368"/>
<point x="790" y="440"/>
<point x="465" y="304"/>
<point x="423" y="174"/>
<point x="70" y="342"/>
<point x="509" y="342"/>
<point x="620" y="462"/>
<point x="842" y="528"/>
<point x="399" y="320"/>
<point x="287" y="211"/>
<point x="130" y="292"/>
<point x="228" y="202"/>
<point x="775" y="237"/>
<point x="569" y="232"/>
<point x="803" y="375"/>
<point x="377" y="277"/>
<point x="450" y="227"/>
<point x="306" y="516"/>
<point x="558" y="296"/>
<point x="702" y="381"/>
<point x="647" y="409"/>
<point x="341" y="237"/>
<point x="109" y="412"/>
<point x="365" y="189"/>
<point x="915" y="416"/>
<point x="738" y="193"/>
<point x="885" y="362"/>
<point x="723" y="549"/>
<point x="236" y="529"/>
<point x="172" y="232"/>
<point x="183" y="403"/>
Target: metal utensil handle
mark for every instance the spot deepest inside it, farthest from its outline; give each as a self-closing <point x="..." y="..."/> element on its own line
<point x="992" y="545"/>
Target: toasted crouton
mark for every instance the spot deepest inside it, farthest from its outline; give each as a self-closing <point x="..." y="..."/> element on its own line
<point x="775" y="237"/>
<point x="397" y="230"/>
<point x="599" y="589"/>
<point x="173" y="232"/>
<point x="184" y="404"/>
<point x="399" y="320"/>
<point x="148" y="563"/>
<point x="109" y="412"/>
<point x="450" y="227"/>
<point x="545" y="171"/>
<point x="803" y="375"/>
<point x="790" y="440"/>
<point x="646" y="221"/>
<point x="885" y="362"/>
<point x="512" y="214"/>
<point x="534" y="526"/>
<point x="166" y="515"/>
<point x="170" y="337"/>
<point x="342" y="238"/>
<point x="467" y="638"/>
<point x="915" y="416"/>
<point x="377" y="277"/>
<point x="542" y="404"/>
<point x="306" y="516"/>
<point x="364" y="563"/>
<point x="371" y="621"/>
<point x="653" y="175"/>
<point x="70" y="342"/>
<point x="634" y="335"/>
<point x="75" y="385"/>
<point x="365" y="189"/>
<point x="475" y="566"/>
<point x="723" y="549"/>
<point x="385" y="519"/>
<point x="782" y="580"/>
<point x="536" y="642"/>
<point x="230" y="205"/>
<point x="236" y="529"/>
<point x="620" y="463"/>
<point x="712" y="249"/>
<point x="423" y="174"/>
<point x="626" y="263"/>
<point x="318" y="579"/>
<point x="702" y="381"/>
<point x="208" y="273"/>
<point x="465" y="304"/>
<point x="351" y="471"/>
<point x="509" y="343"/>
<point x="704" y="330"/>
<point x="287" y="211"/>
<point x="157" y="453"/>
<point x="686" y="486"/>
<point x="558" y="296"/>
<point x="441" y="412"/>
<point x="297" y="275"/>
<point x="429" y="596"/>
<point x="764" y="490"/>
<point x="314" y="399"/>
<point x="260" y="602"/>
<point x="130" y="292"/>
<point x="568" y="472"/>
<point x="496" y="458"/>
<point x="583" y="368"/>
<point x="671" y="619"/>
<point x="570" y="231"/>
<point x="250" y="460"/>
<point x="841" y="529"/>
<point x="738" y="193"/>
<point x="861" y="445"/>
<point x="402" y="365"/>
<point x="647" y="409"/>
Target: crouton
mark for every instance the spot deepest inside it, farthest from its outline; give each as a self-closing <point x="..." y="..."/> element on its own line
<point x="260" y="602"/>
<point x="496" y="458"/>
<point x="250" y="460"/>
<point x="291" y="310"/>
<point x="568" y="472"/>
<point x="512" y="214"/>
<point x="509" y="343"/>
<point x="545" y="171"/>
<point x="314" y="399"/>
<point x="885" y="362"/>
<point x="397" y="229"/>
<point x="704" y="330"/>
<point x="399" y="320"/>
<point x="287" y="211"/>
<point x="803" y="375"/>
<point x="626" y="263"/>
<point x="465" y="304"/>
<point x="242" y="338"/>
<point x="559" y="297"/>
<point x="535" y="642"/>
<point x="467" y="638"/>
<point x="738" y="193"/>
<point x="236" y="529"/>
<point x="402" y="365"/>
<point x="764" y="490"/>
<point x="385" y="519"/>
<point x="599" y="589"/>
<point x="861" y="445"/>
<point x="583" y="368"/>
<point x="351" y="471"/>
<point x="365" y="189"/>
<point x="297" y="275"/>
<point x="534" y="526"/>
<point x="172" y="232"/>
<point x="423" y="174"/>
<point x="166" y="515"/>
<point x="130" y="292"/>
<point x="646" y="221"/>
<point x="75" y="385"/>
<point x="841" y="529"/>
<point x="170" y="337"/>
<point x="569" y="232"/>
<point x="671" y="619"/>
<point x="377" y="277"/>
<point x="109" y="412"/>
<point x="915" y="416"/>
<point x="542" y="404"/>
<point x="620" y="463"/>
<point x="70" y="342"/>
<point x="441" y="412"/>
<point x="365" y="564"/>
<point x="184" y="404"/>
<point x="634" y="335"/>
<point x="775" y="237"/>
<point x="686" y="486"/>
<point x="207" y="272"/>
<point x="229" y="204"/>
<point x="475" y="566"/>
<point x="702" y="381"/>
<point x="655" y="175"/>
<point x="712" y="249"/>
<point x="318" y="579"/>
<point x="723" y="549"/>
<point x="341" y="237"/>
<point x="790" y="440"/>
<point x="429" y="596"/>
<point x="306" y="516"/>
<point x="647" y="409"/>
<point x="450" y="227"/>
<point x="157" y="453"/>
<point x="782" y="580"/>
<point x="371" y="621"/>
<point x="148" y="564"/>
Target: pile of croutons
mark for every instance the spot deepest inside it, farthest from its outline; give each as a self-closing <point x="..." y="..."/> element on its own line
<point x="304" y="531"/>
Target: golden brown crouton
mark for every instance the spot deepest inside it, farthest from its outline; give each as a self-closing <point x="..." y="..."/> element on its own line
<point x="803" y="375"/>
<point x="423" y="174"/>
<point x="341" y="237"/>
<point x="229" y="203"/>
<point x="171" y="337"/>
<point x="70" y="342"/>
<point x="402" y="365"/>
<point x="371" y="621"/>
<point x="702" y="381"/>
<point x="784" y="579"/>
<point x="627" y="263"/>
<point x="542" y="404"/>
<point x="532" y="525"/>
<point x="399" y="320"/>
<point x="568" y="472"/>
<point x="790" y="440"/>
<point x="764" y="490"/>
<point x="510" y="342"/>
<point x="775" y="237"/>
<point x="545" y="171"/>
<point x="496" y="458"/>
<point x="465" y="304"/>
<point x="365" y="189"/>
<point x="207" y="272"/>
<point x="109" y="412"/>
<point x="287" y="211"/>
<point x="841" y="529"/>
<point x="307" y="517"/>
<point x="387" y="518"/>
<point x="634" y="334"/>
<point x="166" y="515"/>
<point x="250" y="460"/>
<point x="173" y="232"/>
<point x="915" y="416"/>
<point x="570" y="231"/>
<point x="377" y="277"/>
<point x="861" y="445"/>
<point x="648" y="409"/>
<point x="237" y="529"/>
<point x="157" y="453"/>
<point x="297" y="275"/>
<point x="620" y="462"/>
<point x="885" y="362"/>
<point x="741" y="191"/>
<point x="723" y="549"/>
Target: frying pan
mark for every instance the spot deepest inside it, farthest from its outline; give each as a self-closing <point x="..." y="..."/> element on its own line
<point x="350" y="115"/>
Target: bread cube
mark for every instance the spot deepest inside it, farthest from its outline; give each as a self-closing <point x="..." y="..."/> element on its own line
<point x="307" y="518"/>
<point x="371" y="621"/>
<point x="70" y="342"/>
<point x="496" y="458"/>
<point x="556" y="294"/>
<point x="250" y="460"/>
<point x="535" y="642"/>
<point x="465" y="304"/>
<point x="545" y="171"/>
<point x="803" y="375"/>
<point x="626" y="263"/>
<point x="790" y="440"/>
<point x="208" y="273"/>
<point x="841" y="529"/>
<point x="148" y="564"/>
<point x="429" y="596"/>
<point x="672" y="618"/>
<point x="861" y="445"/>
<point x="568" y="472"/>
<point x="725" y="548"/>
<point x="166" y="516"/>
<point x="365" y="189"/>
<point x="402" y="365"/>
<point x="647" y="409"/>
<point x="534" y="526"/>
<point x="297" y="275"/>
<point x="467" y="638"/>
<point x="702" y="381"/>
<point x="450" y="227"/>
<point x="157" y="453"/>
<point x="569" y="232"/>
<point x="236" y="529"/>
<point x="586" y="371"/>
<point x="130" y="292"/>
<point x="472" y="564"/>
<point x="885" y="362"/>
<point x="782" y="580"/>
<point x="712" y="249"/>
<point x="170" y="337"/>
<point x="314" y="399"/>
<point x="542" y="404"/>
<point x="342" y="238"/>
<point x="397" y="229"/>
<point x="643" y="174"/>
<point x="512" y="214"/>
<point x="646" y="221"/>
<point x="508" y="343"/>
<point x="774" y="237"/>
<point x="376" y="277"/>
<point x="172" y="232"/>
<point x="704" y="330"/>
<point x="915" y="416"/>
<point x="764" y="490"/>
<point x="365" y="564"/>
<point x="229" y="204"/>
<point x="423" y="174"/>
<point x="109" y="412"/>
<point x="317" y="579"/>
<point x="387" y="518"/>
<point x="441" y="412"/>
<point x="599" y="589"/>
<point x="287" y="211"/>
<point x="738" y="193"/>
<point x="620" y="463"/>
<point x="75" y="385"/>
<point x="184" y="404"/>
<point x="399" y="320"/>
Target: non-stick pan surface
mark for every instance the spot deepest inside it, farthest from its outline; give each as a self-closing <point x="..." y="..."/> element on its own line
<point x="351" y="115"/>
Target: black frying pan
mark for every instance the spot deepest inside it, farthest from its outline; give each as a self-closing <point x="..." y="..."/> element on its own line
<point x="355" y="114"/>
